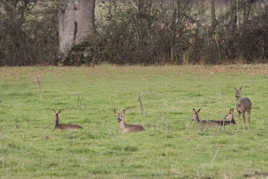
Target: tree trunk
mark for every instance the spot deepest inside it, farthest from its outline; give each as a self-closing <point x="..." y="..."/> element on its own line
<point x="234" y="15"/>
<point x="76" y="23"/>
<point x="213" y="17"/>
<point x="265" y="36"/>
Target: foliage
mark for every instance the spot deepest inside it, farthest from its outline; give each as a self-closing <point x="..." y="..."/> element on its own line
<point x="139" y="32"/>
<point x="179" y="32"/>
<point x="28" y="33"/>
<point x="132" y="36"/>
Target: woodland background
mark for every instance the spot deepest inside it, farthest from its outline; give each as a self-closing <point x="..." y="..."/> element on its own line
<point x="69" y="32"/>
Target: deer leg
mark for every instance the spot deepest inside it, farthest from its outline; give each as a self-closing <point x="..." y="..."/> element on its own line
<point x="223" y="125"/>
<point x="248" y="119"/>
<point x="244" y="120"/>
<point x="239" y="113"/>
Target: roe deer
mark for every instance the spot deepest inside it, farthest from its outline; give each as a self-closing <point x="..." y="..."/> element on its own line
<point x="124" y="127"/>
<point x="243" y="105"/>
<point x="228" y="119"/>
<point x="63" y="126"/>
<point x="202" y="122"/>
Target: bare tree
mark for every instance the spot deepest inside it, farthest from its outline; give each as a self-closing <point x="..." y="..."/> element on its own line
<point x="213" y="17"/>
<point x="234" y="11"/>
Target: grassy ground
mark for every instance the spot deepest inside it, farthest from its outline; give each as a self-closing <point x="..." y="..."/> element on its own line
<point x="171" y="146"/>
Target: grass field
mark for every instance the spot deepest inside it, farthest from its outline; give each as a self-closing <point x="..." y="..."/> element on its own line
<point x="171" y="146"/>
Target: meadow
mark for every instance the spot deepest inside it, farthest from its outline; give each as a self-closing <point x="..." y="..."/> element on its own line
<point x="171" y="146"/>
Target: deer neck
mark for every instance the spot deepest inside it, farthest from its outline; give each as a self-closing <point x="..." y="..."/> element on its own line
<point x="56" y="122"/>
<point x="122" y="124"/>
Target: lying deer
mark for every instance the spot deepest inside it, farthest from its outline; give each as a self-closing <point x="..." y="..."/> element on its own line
<point x="63" y="126"/>
<point x="124" y="127"/>
<point x="243" y="105"/>
<point x="228" y="119"/>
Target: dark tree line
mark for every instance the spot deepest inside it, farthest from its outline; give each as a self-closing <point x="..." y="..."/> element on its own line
<point x="133" y="31"/>
<point x="28" y="35"/>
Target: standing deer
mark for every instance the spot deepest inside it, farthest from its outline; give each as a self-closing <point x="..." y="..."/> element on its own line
<point x="243" y="105"/>
<point x="124" y="127"/>
<point x="63" y="126"/>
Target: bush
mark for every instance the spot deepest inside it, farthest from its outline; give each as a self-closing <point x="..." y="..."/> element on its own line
<point x="175" y="31"/>
<point x="28" y="35"/>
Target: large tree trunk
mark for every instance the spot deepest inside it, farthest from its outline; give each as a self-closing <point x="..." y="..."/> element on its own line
<point x="76" y="23"/>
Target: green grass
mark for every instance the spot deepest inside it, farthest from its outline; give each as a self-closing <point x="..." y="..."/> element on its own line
<point x="171" y="146"/>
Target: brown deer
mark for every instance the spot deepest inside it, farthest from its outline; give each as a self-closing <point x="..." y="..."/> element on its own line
<point x="228" y="119"/>
<point x="63" y="126"/>
<point x="124" y="127"/>
<point x="243" y="105"/>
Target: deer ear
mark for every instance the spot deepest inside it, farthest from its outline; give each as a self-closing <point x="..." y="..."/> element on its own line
<point x="194" y="110"/>
<point x="199" y="110"/>
<point x="240" y="87"/>
<point x="124" y="111"/>
<point x="60" y="110"/>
